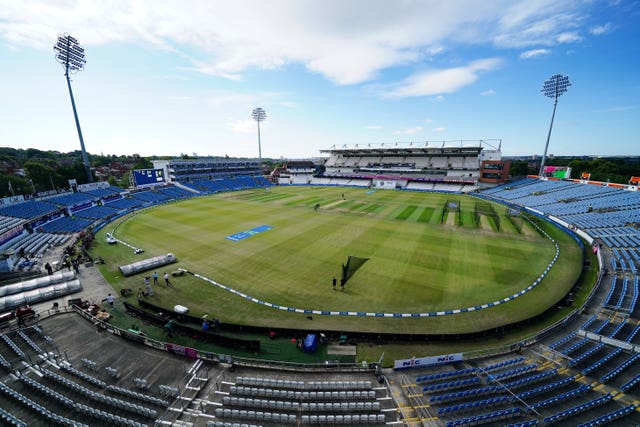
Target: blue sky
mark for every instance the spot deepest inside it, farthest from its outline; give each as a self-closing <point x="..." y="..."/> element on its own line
<point x="171" y="77"/>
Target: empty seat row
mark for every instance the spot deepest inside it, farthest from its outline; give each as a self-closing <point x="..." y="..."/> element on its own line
<point x="577" y="409"/>
<point x="5" y="363"/>
<point x="631" y="383"/>
<point x="463" y="394"/>
<point x="503" y="364"/>
<point x="13" y="346"/>
<point x="99" y="397"/>
<point x="451" y="384"/>
<point x="270" y="382"/>
<point x="138" y="395"/>
<point x="604" y="359"/>
<point x="301" y="385"/>
<point x="30" y="342"/>
<point x="485" y="418"/>
<point x="275" y="417"/>
<point x="107" y="416"/>
<point x="527" y="423"/>
<point x="11" y="420"/>
<point x="304" y="395"/>
<point x="280" y="405"/>
<point x="618" y="369"/>
<point x="545" y="388"/>
<point x="563" y="396"/>
<point x="338" y="385"/>
<point x="93" y="380"/>
<point x="344" y="419"/>
<point x="473" y="405"/>
<point x="531" y="379"/>
<point x="610" y="417"/>
<point x="447" y="374"/>
<point x="47" y="391"/>
<point x="49" y="415"/>
<point x="513" y="372"/>
<point x="227" y="424"/>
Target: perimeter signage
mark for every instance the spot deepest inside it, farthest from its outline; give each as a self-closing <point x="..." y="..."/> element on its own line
<point x="421" y="362"/>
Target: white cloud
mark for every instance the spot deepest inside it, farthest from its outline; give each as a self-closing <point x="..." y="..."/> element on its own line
<point x="439" y="129"/>
<point x="487" y="92"/>
<point x="346" y="42"/>
<point x="437" y="82"/>
<point x="374" y="127"/>
<point x="534" y="53"/>
<point x="409" y="131"/>
<point x="242" y="126"/>
<point x="428" y="121"/>
<point x="601" y="29"/>
<point x="568" y="37"/>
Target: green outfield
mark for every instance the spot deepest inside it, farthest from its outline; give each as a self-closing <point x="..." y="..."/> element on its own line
<point x="427" y="252"/>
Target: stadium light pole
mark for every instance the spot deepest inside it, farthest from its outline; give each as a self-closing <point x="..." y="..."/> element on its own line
<point x="553" y="88"/>
<point x="259" y="115"/>
<point x="71" y="56"/>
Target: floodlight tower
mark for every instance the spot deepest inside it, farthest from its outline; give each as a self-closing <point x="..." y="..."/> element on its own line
<point x="71" y="56"/>
<point x="553" y="88"/>
<point x="259" y="115"/>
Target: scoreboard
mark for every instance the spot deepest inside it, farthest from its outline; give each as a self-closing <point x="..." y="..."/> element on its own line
<point x="146" y="177"/>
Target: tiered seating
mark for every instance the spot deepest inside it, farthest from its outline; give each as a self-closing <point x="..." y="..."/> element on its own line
<point x="243" y="414"/>
<point x="559" y="416"/>
<point x="30" y="342"/>
<point x="531" y="379"/>
<point x="150" y="196"/>
<point x="562" y="397"/>
<point x="13" y="346"/>
<point x="105" y="192"/>
<point x="545" y="388"/>
<point x="70" y="199"/>
<point x="52" y="394"/>
<point x="618" y="369"/>
<point x="503" y="364"/>
<point x="124" y="203"/>
<point x="30" y="209"/>
<point x="107" y="416"/>
<point x="303" y="395"/>
<point x="88" y="378"/>
<point x="343" y="419"/>
<point x="66" y="225"/>
<point x="449" y="385"/>
<point x="8" y="419"/>
<point x="137" y="395"/>
<point x="586" y="354"/>
<point x="513" y="372"/>
<point x="486" y="418"/>
<point x="631" y="383"/>
<point x="610" y="417"/>
<point x="175" y="192"/>
<point x="604" y="359"/>
<point x="97" y="212"/>
<point x="473" y="405"/>
<point x="98" y="397"/>
<point x="5" y="363"/>
<point x="528" y="423"/>
<point x="49" y="415"/>
<point x="457" y="395"/>
<point x="442" y="375"/>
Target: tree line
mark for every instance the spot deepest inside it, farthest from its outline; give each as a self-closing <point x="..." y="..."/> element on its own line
<point x="605" y="169"/>
<point x="25" y="171"/>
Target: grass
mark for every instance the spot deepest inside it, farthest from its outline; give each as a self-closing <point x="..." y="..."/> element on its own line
<point x="416" y="264"/>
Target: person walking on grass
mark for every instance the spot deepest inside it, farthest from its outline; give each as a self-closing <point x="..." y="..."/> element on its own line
<point x="166" y="280"/>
